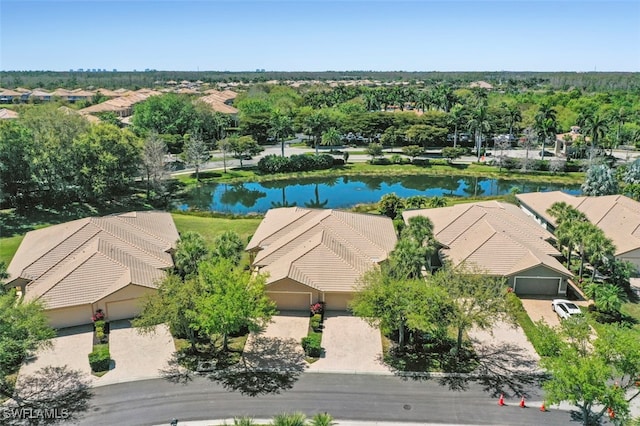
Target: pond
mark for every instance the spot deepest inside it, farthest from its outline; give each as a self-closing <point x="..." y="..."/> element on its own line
<point x="347" y="191"/>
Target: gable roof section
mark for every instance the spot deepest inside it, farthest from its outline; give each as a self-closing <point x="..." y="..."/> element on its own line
<point x="497" y="237"/>
<point x="617" y="215"/>
<point x="324" y="249"/>
<point x="85" y="260"/>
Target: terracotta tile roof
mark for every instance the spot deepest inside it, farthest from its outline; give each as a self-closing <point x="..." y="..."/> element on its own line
<point x="7" y="114"/>
<point x="497" y="237"/>
<point x="217" y="100"/>
<point x="617" y="215"/>
<point x="328" y="250"/>
<point x="118" y="104"/>
<point x="85" y="260"/>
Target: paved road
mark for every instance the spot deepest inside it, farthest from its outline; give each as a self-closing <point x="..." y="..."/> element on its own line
<point x="346" y="397"/>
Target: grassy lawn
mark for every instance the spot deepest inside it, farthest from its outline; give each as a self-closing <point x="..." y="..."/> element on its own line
<point x="481" y="170"/>
<point x="210" y="227"/>
<point x="8" y="247"/>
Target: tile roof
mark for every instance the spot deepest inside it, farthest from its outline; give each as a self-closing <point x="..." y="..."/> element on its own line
<point x="497" y="237"/>
<point x="217" y="100"/>
<point x="7" y="114"/>
<point x="84" y="260"/>
<point x="328" y="250"/>
<point x="617" y="215"/>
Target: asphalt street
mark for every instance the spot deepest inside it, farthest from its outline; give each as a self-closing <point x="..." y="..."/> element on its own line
<point x="346" y="397"/>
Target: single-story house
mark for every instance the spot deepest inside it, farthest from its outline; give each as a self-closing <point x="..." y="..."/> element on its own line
<point x="502" y="240"/>
<point x="314" y="255"/>
<point x="617" y="215"/>
<point x="108" y="263"/>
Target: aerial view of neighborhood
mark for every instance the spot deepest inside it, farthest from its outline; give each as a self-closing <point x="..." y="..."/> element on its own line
<point x="349" y="213"/>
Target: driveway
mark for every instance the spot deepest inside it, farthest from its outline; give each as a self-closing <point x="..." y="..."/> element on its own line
<point x="137" y="356"/>
<point x="278" y="345"/>
<point x="540" y="308"/>
<point x="504" y="347"/>
<point x="70" y="348"/>
<point x="350" y="345"/>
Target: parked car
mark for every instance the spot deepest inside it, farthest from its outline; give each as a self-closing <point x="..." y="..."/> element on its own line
<point x="546" y="153"/>
<point x="565" y="308"/>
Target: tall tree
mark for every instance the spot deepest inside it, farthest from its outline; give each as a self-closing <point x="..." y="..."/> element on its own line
<point x="477" y="298"/>
<point x="595" y="126"/>
<point x="281" y="126"/>
<point x="232" y="299"/>
<point x="479" y="123"/>
<point x="172" y="304"/>
<point x="107" y="160"/>
<point x="243" y="147"/>
<point x="196" y="153"/>
<point x="399" y="304"/>
<point x="16" y="154"/>
<point x="331" y="137"/>
<point x="154" y="151"/>
<point x="546" y="125"/>
<point x="457" y="116"/>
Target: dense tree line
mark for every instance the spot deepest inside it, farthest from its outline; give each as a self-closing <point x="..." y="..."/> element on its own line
<point x="591" y="81"/>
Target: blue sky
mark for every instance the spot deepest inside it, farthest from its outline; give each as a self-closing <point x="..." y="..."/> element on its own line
<point x="319" y="35"/>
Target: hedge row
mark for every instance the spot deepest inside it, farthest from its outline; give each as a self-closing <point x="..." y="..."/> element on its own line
<point x="311" y="345"/>
<point x="296" y="163"/>
<point x="100" y="358"/>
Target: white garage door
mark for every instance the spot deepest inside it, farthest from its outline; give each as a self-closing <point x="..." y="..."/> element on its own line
<point x="540" y="286"/>
<point x="123" y="309"/>
<point x="291" y="301"/>
<point x="337" y="301"/>
<point x="69" y="317"/>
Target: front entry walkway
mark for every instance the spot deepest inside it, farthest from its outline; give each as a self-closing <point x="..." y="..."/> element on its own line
<point x="350" y="345"/>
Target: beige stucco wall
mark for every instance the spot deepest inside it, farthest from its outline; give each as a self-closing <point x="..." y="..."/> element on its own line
<point x="287" y="284"/>
<point x="127" y="293"/>
<point x="631" y="256"/>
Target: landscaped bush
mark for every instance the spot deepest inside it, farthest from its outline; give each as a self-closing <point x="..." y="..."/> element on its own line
<point x="398" y="159"/>
<point x="312" y="345"/>
<point x="315" y="322"/>
<point x="296" y="163"/>
<point x="382" y="161"/>
<point x="420" y="162"/>
<point x="100" y="358"/>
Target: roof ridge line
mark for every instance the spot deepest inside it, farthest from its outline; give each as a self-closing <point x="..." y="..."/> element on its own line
<point x="58" y="245"/>
<point x="128" y="243"/>
<point x="354" y="229"/>
<point x="139" y="228"/>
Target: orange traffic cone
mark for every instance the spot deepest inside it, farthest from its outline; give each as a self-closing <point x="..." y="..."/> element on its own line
<point x="612" y="414"/>
<point x="501" y="400"/>
<point x="522" y="404"/>
<point x="542" y="407"/>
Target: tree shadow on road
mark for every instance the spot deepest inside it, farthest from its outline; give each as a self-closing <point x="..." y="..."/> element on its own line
<point x="268" y="365"/>
<point x="500" y="369"/>
<point x="51" y="395"/>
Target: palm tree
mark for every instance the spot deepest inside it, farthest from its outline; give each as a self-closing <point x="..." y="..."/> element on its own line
<point x="479" y="124"/>
<point x="423" y="100"/>
<point x="371" y="101"/>
<point x="594" y="125"/>
<point x="314" y="124"/>
<point x="331" y="137"/>
<point x="280" y="126"/>
<point x="437" y="201"/>
<point x="456" y="117"/>
<point x="618" y="117"/>
<point x="600" y="249"/>
<point x="514" y="116"/>
<point x="546" y="125"/>
<point x="569" y="229"/>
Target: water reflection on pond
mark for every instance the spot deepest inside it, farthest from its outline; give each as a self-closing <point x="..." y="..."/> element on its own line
<point x="347" y="191"/>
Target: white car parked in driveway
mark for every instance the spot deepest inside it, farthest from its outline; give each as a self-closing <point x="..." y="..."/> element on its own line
<point x="565" y="308"/>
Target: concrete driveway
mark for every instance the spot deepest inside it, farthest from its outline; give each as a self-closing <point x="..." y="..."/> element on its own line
<point x="540" y="308"/>
<point x="350" y="345"/>
<point x="70" y="348"/>
<point x="137" y="356"/>
<point x="504" y="347"/>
